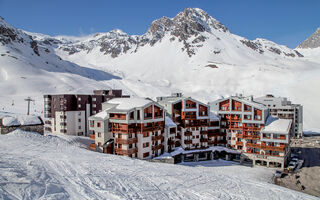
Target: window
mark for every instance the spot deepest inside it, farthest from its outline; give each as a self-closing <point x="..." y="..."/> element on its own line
<point x="146" y="154"/>
<point x="79" y="99"/>
<point x="94" y="99"/>
<point x="79" y="127"/>
<point x="98" y="124"/>
<point x="145" y="145"/>
<point x="79" y="106"/>
<point x="99" y="134"/>
<point x="99" y="144"/>
<point x="94" y="105"/>
<point x="79" y="114"/>
<point x="146" y="134"/>
<point x="79" y="120"/>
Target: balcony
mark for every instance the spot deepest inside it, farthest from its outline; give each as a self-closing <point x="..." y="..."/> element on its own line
<point x="239" y="143"/>
<point x="63" y="130"/>
<point x="63" y="124"/>
<point x="92" y="136"/>
<point x="159" y="137"/>
<point x="126" y="141"/>
<point x="203" y="132"/>
<point x="272" y="148"/>
<point x="253" y="145"/>
<point x="235" y="127"/>
<point x="122" y="130"/>
<point x="188" y="133"/>
<point x="238" y="135"/>
<point x="170" y="142"/>
<point x="251" y="137"/>
<point x="188" y="141"/>
<point x="125" y="152"/>
<point x="203" y="139"/>
<point x="156" y="147"/>
<point x="92" y="146"/>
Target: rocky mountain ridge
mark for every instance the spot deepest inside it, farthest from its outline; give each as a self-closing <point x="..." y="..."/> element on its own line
<point x="312" y="42"/>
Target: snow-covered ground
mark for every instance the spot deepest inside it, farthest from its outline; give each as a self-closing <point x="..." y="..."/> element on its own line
<point x="33" y="166"/>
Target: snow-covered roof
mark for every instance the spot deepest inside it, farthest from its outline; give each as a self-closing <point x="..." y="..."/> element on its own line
<point x="276" y="125"/>
<point x="11" y="119"/>
<point x="213" y="117"/>
<point x="102" y="115"/>
<point x="169" y="122"/>
<point x="129" y="103"/>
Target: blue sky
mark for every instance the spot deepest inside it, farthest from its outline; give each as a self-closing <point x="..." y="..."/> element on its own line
<point x="287" y="22"/>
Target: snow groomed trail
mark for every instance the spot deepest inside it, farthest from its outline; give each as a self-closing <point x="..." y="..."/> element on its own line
<point x="49" y="167"/>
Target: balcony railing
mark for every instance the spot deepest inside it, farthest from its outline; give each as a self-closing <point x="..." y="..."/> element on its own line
<point x="125" y="152"/>
<point x="156" y="147"/>
<point x="252" y="137"/>
<point x="238" y="135"/>
<point x="123" y="130"/>
<point x="253" y="145"/>
<point x="203" y="139"/>
<point x="159" y="137"/>
<point x="126" y="141"/>
<point x="272" y="148"/>
<point x="188" y="141"/>
<point x="203" y="132"/>
<point x="239" y="143"/>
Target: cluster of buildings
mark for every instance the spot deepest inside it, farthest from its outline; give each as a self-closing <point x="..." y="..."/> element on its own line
<point x="258" y="129"/>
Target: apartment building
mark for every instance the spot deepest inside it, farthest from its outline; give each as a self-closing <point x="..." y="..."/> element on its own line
<point x="193" y="121"/>
<point x="250" y="129"/>
<point x="170" y="133"/>
<point x="68" y="113"/>
<point x="282" y="108"/>
<point x="131" y="127"/>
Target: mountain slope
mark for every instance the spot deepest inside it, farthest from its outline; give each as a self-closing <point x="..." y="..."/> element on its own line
<point x="312" y="42"/>
<point x="191" y="53"/>
<point x="48" y="167"/>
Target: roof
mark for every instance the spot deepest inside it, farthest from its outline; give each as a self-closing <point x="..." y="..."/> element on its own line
<point x="276" y="125"/>
<point x="213" y="117"/>
<point x="12" y="119"/>
<point x="129" y="103"/>
<point x="243" y="100"/>
<point x="102" y="115"/>
<point x="169" y="122"/>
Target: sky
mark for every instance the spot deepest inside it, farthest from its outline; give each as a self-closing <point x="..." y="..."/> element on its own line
<point x="287" y="22"/>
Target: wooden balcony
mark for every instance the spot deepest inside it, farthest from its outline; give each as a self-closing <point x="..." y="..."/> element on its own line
<point x="92" y="136"/>
<point x="156" y="147"/>
<point x="126" y="141"/>
<point x="92" y="146"/>
<point x="126" y="152"/>
<point x="159" y="137"/>
<point x="239" y="143"/>
<point x="122" y="130"/>
<point x="215" y="142"/>
<point x="235" y="127"/>
<point x="203" y="139"/>
<point x="238" y="135"/>
<point x="215" y="133"/>
<point x="203" y="132"/>
<point x="188" y="141"/>
<point x="272" y="148"/>
<point x="251" y="137"/>
<point x="253" y="145"/>
<point x="188" y="133"/>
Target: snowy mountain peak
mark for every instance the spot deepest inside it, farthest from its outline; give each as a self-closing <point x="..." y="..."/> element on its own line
<point x="312" y="42"/>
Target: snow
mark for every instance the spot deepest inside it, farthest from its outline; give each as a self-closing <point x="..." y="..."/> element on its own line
<point x="169" y="122"/>
<point x="129" y="103"/>
<point x="11" y="119"/>
<point x="102" y="115"/>
<point x="213" y="117"/>
<point x="33" y="166"/>
<point x="276" y="125"/>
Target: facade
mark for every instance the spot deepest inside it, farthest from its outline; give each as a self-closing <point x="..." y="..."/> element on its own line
<point x="197" y="128"/>
<point x="68" y="113"/>
<point x="282" y="108"/>
<point x="131" y="127"/>
<point x="245" y="123"/>
<point x="170" y="133"/>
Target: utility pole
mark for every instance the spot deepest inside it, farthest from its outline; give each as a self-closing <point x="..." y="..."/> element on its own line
<point x="28" y="100"/>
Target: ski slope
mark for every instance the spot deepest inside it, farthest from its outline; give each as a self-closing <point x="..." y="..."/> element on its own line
<point x="49" y="167"/>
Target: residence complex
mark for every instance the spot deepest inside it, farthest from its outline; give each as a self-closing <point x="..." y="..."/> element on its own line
<point x="68" y="113"/>
<point x="251" y="129"/>
<point x="145" y="129"/>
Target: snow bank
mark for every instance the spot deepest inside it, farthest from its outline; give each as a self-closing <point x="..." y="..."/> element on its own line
<point x="11" y="119"/>
<point x="33" y="166"/>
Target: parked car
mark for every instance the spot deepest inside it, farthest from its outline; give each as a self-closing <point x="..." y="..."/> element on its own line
<point x="292" y="165"/>
<point x="278" y="174"/>
<point x="295" y="160"/>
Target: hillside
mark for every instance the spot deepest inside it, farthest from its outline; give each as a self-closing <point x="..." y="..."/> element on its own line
<point x="191" y="53"/>
<point x="49" y="167"/>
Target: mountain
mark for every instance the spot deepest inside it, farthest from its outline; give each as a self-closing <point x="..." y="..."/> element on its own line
<point x="191" y="53"/>
<point x="312" y="42"/>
